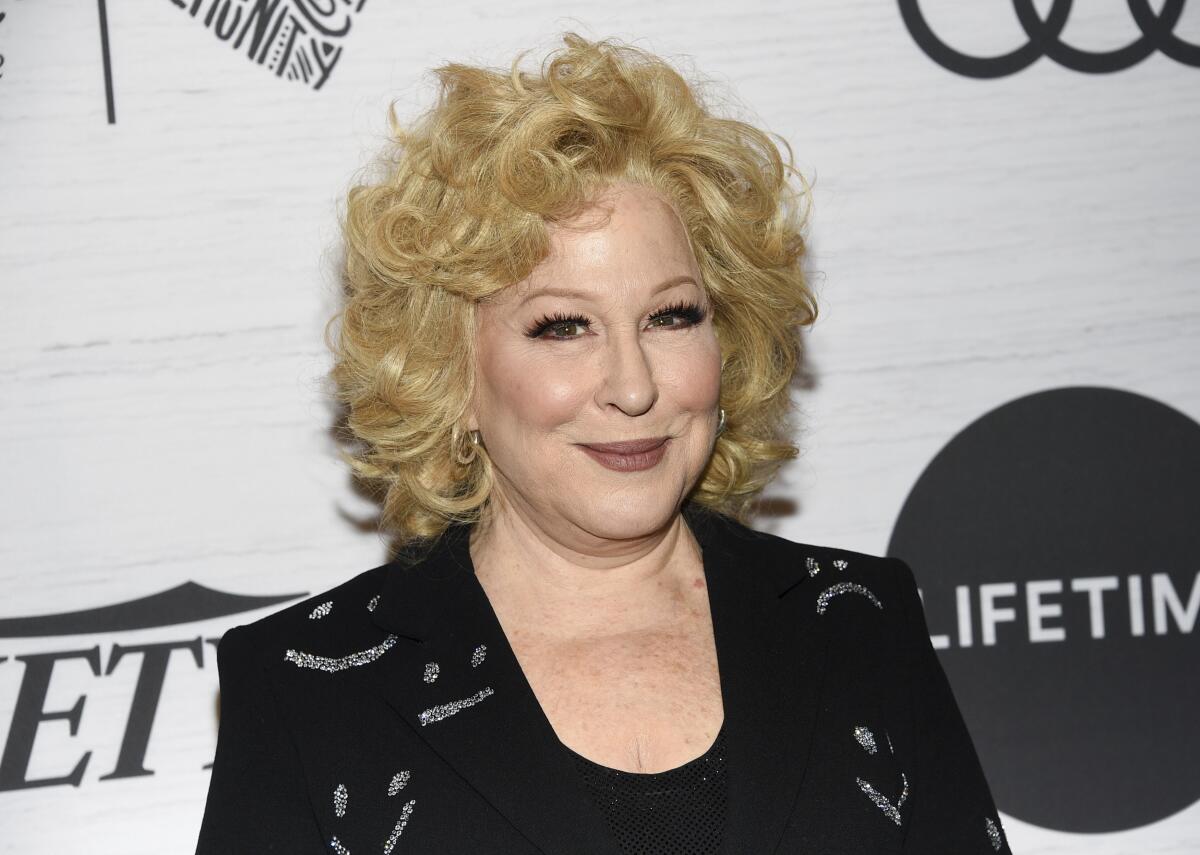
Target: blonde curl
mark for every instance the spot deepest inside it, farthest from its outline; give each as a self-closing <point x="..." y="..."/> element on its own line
<point x="461" y="214"/>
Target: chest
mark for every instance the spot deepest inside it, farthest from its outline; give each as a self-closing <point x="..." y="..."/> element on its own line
<point x="642" y="701"/>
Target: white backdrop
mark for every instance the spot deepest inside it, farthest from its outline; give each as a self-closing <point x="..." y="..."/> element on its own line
<point x="165" y="279"/>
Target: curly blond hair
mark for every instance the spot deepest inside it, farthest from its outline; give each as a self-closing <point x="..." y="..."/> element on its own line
<point x="461" y="213"/>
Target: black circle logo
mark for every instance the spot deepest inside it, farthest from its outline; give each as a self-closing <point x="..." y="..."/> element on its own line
<point x="1056" y="544"/>
<point x="1157" y="34"/>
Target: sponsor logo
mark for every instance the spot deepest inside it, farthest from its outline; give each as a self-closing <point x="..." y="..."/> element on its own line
<point x="1044" y="39"/>
<point x="300" y="40"/>
<point x="1057" y="551"/>
<point x="184" y="604"/>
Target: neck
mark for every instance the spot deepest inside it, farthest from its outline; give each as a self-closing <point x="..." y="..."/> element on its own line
<point x="576" y="586"/>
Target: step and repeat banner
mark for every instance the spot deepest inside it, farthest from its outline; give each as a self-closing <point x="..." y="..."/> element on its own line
<point x="1002" y="388"/>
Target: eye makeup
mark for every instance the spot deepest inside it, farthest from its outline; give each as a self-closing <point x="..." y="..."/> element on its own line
<point x="690" y="313"/>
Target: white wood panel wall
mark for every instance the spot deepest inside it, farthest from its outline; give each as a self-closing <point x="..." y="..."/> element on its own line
<point x="165" y="280"/>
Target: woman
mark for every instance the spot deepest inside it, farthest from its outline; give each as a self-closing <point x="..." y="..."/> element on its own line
<point x="565" y="352"/>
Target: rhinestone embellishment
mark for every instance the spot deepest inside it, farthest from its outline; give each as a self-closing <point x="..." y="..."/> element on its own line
<point x="477" y="655"/>
<point x="880" y="800"/>
<point x="842" y="588"/>
<point x="399" y="782"/>
<point x="432" y="670"/>
<point x="993" y="833"/>
<point x="442" y="711"/>
<point x="333" y="665"/>
<point x="340" y="797"/>
<point x="814" y="567"/>
<point x="405" y="813"/>
<point x="336" y="846"/>
<point x="321" y="610"/>
<point x="372" y="603"/>
<point x="866" y="739"/>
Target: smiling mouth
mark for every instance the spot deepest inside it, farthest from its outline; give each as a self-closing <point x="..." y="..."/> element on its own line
<point x="631" y="446"/>
<point x="633" y="456"/>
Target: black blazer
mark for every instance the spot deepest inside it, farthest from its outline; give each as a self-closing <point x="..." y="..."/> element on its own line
<point x="842" y="733"/>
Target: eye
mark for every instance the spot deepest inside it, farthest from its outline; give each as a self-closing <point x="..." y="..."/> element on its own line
<point x="561" y="326"/>
<point x="559" y="323"/>
<point x="687" y="314"/>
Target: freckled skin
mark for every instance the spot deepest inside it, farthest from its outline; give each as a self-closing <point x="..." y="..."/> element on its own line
<point x="593" y="574"/>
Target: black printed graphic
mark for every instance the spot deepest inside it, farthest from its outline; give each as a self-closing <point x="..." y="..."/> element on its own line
<point x="2" y="16"/>
<point x="1057" y="550"/>
<point x="181" y="604"/>
<point x="297" y="39"/>
<point x="1044" y="40"/>
<point x="106" y="61"/>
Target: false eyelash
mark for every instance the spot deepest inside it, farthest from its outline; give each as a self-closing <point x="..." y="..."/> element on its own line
<point x="690" y="312"/>
<point x="555" y="319"/>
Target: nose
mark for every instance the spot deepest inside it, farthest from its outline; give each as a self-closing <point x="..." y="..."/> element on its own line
<point x="628" y="375"/>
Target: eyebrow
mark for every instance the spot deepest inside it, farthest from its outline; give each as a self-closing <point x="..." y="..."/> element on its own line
<point x="580" y="295"/>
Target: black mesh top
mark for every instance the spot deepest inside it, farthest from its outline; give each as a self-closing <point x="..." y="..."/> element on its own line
<point x="681" y="810"/>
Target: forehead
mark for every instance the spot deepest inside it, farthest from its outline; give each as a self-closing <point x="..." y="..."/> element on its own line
<point x="627" y="240"/>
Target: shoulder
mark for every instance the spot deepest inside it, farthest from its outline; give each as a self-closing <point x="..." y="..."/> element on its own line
<point x="337" y="618"/>
<point x="790" y="562"/>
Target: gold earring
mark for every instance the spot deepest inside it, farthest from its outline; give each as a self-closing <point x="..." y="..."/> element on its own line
<point x="456" y="448"/>
<point x="721" y="423"/>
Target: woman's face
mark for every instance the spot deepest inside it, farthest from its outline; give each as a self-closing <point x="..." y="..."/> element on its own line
<point x="610" y="339"/>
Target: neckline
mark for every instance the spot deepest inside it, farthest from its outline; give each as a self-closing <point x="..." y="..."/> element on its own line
<point x="683" y="768"/>
<point x="770" y="723"/>
<point x="702" y="523"/>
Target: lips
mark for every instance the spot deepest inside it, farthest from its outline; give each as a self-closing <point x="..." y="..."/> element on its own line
<point x="635" y="455"/>
<point x="632" y="446"/>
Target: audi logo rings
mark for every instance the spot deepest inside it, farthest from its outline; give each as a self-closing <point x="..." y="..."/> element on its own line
<point x="1157" y="35"/>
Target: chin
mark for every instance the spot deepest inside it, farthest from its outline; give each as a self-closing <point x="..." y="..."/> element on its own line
<point x="619" y="517"/>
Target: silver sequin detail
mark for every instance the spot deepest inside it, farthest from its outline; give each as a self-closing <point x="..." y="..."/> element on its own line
<point x="993" y="833"/>
<point x="405" y="813"/>
<point x="888" y="737"/>
<point x="866" y="739"/>
<point x="432" y="670"/>
<point x="839" y="563"/>
<point x="399" y="782"/>
<point x="842" y="588"/>
<point x="372" y="603"/>
<point x="325" y="663"/>
<point x="880" y="800"/>
<point x="340" y="797"/>
<point x="321" y="610"/>
<point x="813" y="567"/>
<point x="904" y="792"/>
<point x="442" y="711"/>
<point x="477" y="655"/>
<point x="336" y="846"/>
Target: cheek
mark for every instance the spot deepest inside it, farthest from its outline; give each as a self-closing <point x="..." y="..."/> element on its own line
<point x="696" y="376"/>
<point x="526" y="387"/>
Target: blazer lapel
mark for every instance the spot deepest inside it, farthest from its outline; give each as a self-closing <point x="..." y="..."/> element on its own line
<point x="485" y="721"/>
<point x="772" y="662"/>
